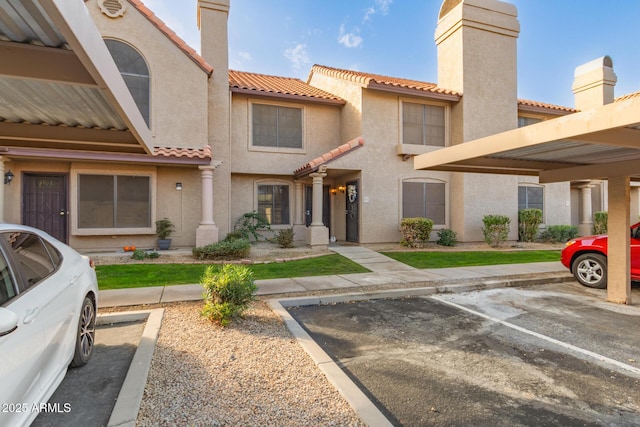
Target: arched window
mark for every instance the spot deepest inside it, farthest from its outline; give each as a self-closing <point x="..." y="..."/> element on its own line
<point x="135" y="73"/>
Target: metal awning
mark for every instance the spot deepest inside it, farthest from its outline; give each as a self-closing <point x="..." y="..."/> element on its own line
<point x="59" y="86"/>
<point x="592" y="144"/>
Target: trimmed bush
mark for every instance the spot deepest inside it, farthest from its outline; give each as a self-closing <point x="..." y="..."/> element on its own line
<point x="600" y="220"/>
<point x="496" y="229"/>
<point x="227" y="292"/>
<point x="447" y="237"/>
<point x="226" y="249"/>
<point x="415" y="231"/>
<point x="559" y="233"/>
<point x="140" y="255"/>
<point x="529" y="221"/>
<point x="284" y="238"/>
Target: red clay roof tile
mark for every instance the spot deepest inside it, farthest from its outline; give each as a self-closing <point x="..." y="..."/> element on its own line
<point x="627" y="96"/>
<point x="329" y="157"/>
<point x="192" y="153"/>
<point x="262" y="84"/>
<point x="542" y="105"/>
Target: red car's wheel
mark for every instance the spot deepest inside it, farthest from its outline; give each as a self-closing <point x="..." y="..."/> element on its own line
<point x="591" y="270"/>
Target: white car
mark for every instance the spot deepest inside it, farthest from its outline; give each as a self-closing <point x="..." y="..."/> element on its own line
<point x="48" y="300"/>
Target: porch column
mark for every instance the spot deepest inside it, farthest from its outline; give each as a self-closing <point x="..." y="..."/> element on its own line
<point x="317" y="233"/>
<point x="2" y="171"/>
<point x="585" y="227"/>
<point x="207" y="231"/>
<point x="299" y="227"/>
<point x="618" y="274"/>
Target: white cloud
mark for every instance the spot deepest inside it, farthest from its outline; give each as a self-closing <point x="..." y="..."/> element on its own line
<point x="245" y="56"/>
<point x="351" y="39"/>
<point x="381" y="6"/>
<point x="298" y="56"/>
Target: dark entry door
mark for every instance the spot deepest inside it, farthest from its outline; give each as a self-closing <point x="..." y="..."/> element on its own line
<point x="352" y="195"/>
<point x="308" y="205"/>
<point x="45" y="204"/>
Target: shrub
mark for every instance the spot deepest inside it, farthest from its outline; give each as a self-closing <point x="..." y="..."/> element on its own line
<point x="284" y="238"/>
<point x="415" y="231"/>
<point x="140" y="255"/>
<point x="529" y="221"/>
<point x="600" y="220"/>
<point x="559" y="233"/>
<point x="227" y="292"/>
<point x="225" y="249"/>
<point x="249" y="224"/>
<point x="496" y="229"/>
<point x="447" y="237"/>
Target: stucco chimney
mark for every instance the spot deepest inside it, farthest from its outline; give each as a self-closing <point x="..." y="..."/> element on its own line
<point x="476" y="42"/>
<point x="593" y="84"/>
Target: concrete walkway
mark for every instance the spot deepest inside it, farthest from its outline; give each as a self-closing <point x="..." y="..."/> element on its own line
<point x="385" y="273"/>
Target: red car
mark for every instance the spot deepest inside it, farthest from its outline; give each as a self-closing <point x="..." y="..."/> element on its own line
<point x="586" y="257"/>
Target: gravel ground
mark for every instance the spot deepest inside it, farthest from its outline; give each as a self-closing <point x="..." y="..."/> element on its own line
<point x="251" y="373"/>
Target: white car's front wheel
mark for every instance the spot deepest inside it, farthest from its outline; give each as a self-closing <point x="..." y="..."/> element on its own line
<point x="86" y="334"/>
<point x="591" y="270"/>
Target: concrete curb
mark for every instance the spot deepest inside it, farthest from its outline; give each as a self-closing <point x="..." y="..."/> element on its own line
<point x="361" y="404"/>
<point x="125" y="411"/>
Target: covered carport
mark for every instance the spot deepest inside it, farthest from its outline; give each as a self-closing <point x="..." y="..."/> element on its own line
<point x="598" y="143"/>
<point x="61" y="94"/>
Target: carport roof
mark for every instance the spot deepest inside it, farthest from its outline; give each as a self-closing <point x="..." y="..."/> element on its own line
<point x="592" y="144"/>
<point x="59" y="86"/>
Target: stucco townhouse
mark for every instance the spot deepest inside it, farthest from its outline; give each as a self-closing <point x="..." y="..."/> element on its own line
<point x="331" y="157"/>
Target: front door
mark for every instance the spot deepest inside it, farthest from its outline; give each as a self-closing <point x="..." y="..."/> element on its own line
<point x="352" y="211"/>
<point x="45" y="203"/>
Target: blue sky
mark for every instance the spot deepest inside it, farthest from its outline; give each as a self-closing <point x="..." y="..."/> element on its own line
<point x="395" y="38"/>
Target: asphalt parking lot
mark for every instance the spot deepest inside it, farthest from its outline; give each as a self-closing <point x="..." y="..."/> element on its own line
<point x="87" y="395"/>
<point x="542" y="355"/>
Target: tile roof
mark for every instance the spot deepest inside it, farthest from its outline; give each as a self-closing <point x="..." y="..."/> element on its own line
<point x="376" y="81"/>
<point x="527" y="104"/>
<point x="329" y="156"/>
<point x="171" y="35"/>
<point x="282" y="87"/>
<point x="627" y="96"/>
<point x="191" y="153"/>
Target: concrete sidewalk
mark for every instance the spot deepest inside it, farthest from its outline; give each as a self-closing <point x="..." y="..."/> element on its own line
<point x="385" y="273"/>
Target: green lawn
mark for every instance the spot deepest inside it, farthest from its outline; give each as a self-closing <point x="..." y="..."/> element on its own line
<point x="461" y="259"/>
<point x="142" y="275"/>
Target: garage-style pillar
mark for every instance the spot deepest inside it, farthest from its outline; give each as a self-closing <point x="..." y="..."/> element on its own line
<point x="618" y="266"/>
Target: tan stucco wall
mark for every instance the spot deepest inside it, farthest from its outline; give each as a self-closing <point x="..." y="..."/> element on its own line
<point x="178" y="85"/>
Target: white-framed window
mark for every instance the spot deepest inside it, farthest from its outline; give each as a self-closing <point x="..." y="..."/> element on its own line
<point x="423" y="124"/>
<point x="109" y="203"/>
<point x="425" y="198"/>
<point x="531" y="197"/>
<point x="276" y="126"/>
<point x="273" y="200"/>
<point x="135" y="73"/>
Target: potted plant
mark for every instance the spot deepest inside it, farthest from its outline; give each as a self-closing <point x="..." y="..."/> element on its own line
<point x="164" y="228"/>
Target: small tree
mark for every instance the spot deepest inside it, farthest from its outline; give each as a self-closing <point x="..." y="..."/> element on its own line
<point x="415" y="231"/>
<point x="496" y="229"/>
<point x="601" y="218"/>
<point x="249" y="224"/>
<point x="227" y="292"/>
<point x="529" y="221"/>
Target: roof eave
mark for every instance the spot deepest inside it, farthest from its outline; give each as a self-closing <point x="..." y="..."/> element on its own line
<point x="423" y="93"/>
<point x="287" y="96"/>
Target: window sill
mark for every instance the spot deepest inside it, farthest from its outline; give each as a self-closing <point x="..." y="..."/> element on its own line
<point x="111" y="231"/>
<point x="414" y="149"/>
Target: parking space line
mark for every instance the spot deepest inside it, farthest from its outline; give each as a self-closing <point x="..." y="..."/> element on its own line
<point x="568" y="346"/>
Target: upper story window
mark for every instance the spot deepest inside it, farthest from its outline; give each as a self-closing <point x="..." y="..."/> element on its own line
<point x="424" y="199"/>
<point x="276" y="126"/>
<point x="526" y="121"/>
<point x="423" y="124"/>
<point x="135" y="72"/>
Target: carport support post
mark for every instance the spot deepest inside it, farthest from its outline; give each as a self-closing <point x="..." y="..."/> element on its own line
<point x="618" y="262"/>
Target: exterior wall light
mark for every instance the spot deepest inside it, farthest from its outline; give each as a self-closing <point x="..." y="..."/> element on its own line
<point x="179" y="186"/>
<point x="342" y="188"/>
<point x="334" y="191"/>
<point x="8" y="177"/>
